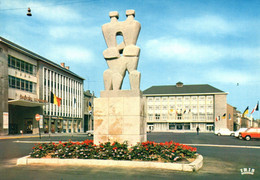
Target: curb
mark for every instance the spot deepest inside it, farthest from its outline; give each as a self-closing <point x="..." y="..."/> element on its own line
<point x="191" y="167"/>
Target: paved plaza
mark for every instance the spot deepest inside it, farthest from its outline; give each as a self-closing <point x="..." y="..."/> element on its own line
<point x="223" y="158"/>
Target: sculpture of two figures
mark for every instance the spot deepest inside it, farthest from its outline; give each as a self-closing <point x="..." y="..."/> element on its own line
<point x="121" y="57"/>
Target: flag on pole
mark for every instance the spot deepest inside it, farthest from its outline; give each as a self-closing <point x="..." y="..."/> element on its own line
<point x="256" y="108"/>
<point x="89" y="107"/>
<point x="245" y="111"/>
<point x="74" y="102"/>
<point x="216" y="119"/>
<point x="224" y="116"/>
<point x="55" y="100"/>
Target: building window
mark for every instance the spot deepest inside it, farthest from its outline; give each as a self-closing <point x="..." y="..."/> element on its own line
<point x="172" y="99"/>
<point x="210" y="117"/>
<point x="150" y="99"/>
<point x="179" y="116"/>
<point x="179" y="126"/>
<point x="157" y="107"/>
<point x="186" y="126"/>
<point x="21" y="84"/>
<point x="202" y="116"/>
<point x="164" y="107"/>
<point x="150" y="107"/>
<point x="150" y="117"/>
<point x="21" y="65"/>
<point x="164" y="116"/>
<point x="157" y="99"/>
<point x="164" y="99"/>
<point x="194" y="98"/>
<point x="171" y="116"/>
<point x="157" y="116"/>
<point x="171" y="126"/>
<point x="195" y="116"/>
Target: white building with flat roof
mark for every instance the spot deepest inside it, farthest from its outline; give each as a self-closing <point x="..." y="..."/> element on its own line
<point x="185" y="107"/>
<point x="27" y="81"/>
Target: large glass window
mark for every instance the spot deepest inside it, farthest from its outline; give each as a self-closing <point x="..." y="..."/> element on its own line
<point x="21" y="84"/>
<point x="171" y="126"/>
<point x="20" y="65"/>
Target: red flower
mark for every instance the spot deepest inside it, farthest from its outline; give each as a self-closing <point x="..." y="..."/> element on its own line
<point x="33" y="148"/>
<point x="146" y="149"/>
<point x="193" y="149"/>
<point x="114" y="148"/>
<point x="60" y="142"/>
<point x="40" y="147"/>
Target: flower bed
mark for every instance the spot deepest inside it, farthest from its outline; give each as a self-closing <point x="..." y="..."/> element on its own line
<point x="146" y="151"/>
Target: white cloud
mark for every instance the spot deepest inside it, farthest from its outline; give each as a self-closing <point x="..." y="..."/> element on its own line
<point x="169" y="49"/>
<point x="72" y="54"/>
<point x="229" y="76"/>
<point x="209" y="24"/>
<point x="54" y="13"/>
<point x="63" y="31"/>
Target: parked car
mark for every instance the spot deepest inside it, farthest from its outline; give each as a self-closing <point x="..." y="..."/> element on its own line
<point x="236" y="134"/>
<point x="90" y="133"/>
<point x="250" y="133"/>
<point x="224" y="132"/>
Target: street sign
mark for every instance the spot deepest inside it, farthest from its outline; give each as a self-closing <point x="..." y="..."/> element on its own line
<point x="5" y="120"/>
<point x="37" y="117"/>
<point x="41" y="121"/>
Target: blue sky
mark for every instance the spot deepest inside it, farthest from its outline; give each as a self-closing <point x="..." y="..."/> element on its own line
<point x="196" y="42"/>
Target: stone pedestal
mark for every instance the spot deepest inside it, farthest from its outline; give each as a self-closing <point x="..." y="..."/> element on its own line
<point x="119" y="116"/>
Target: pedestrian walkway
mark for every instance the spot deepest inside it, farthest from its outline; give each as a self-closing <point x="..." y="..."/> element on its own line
<point x="19" y="136"/>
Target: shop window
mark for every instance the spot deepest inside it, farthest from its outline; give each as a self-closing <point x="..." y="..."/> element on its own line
<point x="157" y="116"/>
<point x="171" y="126"/>
<point x="186" y="126"/>
<point x="179" y="126"/>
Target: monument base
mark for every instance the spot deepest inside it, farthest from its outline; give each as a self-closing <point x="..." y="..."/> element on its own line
<point x="119" y="116"/>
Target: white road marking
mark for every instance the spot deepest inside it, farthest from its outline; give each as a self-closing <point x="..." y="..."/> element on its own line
<point x="204" y="145"/>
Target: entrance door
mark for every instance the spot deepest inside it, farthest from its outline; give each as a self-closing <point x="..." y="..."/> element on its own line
<point x="210" y="127"/>
<point x="179" y="126"/>
<point x="28" y="126"/>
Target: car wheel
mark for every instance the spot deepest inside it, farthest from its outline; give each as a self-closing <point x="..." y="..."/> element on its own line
<point x="232" y="134"/>
<point x="248" y="138"/>
<point x="240" y="137"/>
<point x="219" y="134"/>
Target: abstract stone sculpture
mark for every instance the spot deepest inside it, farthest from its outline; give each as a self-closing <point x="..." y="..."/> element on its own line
<point x="119" y="114"/>
<point x="121" y="57"/>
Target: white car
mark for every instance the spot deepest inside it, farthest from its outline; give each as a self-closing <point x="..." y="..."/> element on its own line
<point x="224" y="132"/>
<point x="236" y="134"/>
<point x="90" y="133"/>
